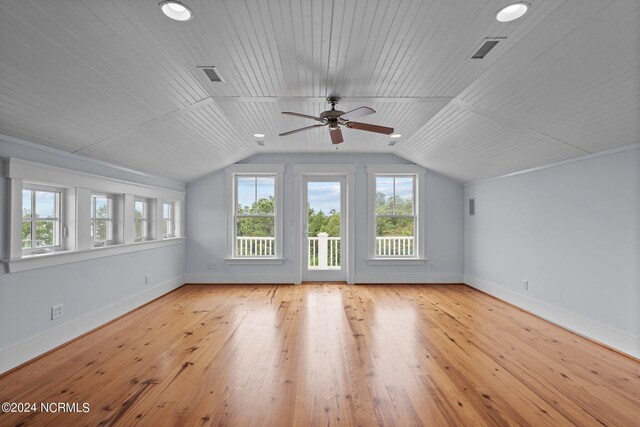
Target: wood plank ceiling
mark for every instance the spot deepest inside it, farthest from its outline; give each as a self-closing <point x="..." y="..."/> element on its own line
<point x="117" y="81"/>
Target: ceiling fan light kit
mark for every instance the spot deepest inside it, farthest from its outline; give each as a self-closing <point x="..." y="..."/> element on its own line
<point x="335" y="118"/>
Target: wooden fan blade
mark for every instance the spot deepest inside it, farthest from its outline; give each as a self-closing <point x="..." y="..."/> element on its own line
<point x="317" y="119"/>
<point x="358" y="112"/>
<point x="369" y="127"/>
<point x="301" y="129"/>
<point x="336" y="136"/>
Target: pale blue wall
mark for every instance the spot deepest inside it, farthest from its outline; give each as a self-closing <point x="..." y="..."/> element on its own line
<point x="206" y="223"/>
<point x="83" y="287"/>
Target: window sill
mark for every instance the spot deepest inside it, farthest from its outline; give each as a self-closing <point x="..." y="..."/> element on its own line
<point x="30" y="262"/>
<point x="254" y="260"/>
<point x="396" y="261"/>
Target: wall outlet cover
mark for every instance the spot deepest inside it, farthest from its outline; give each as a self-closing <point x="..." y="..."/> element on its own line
<point x="57" y="311"/>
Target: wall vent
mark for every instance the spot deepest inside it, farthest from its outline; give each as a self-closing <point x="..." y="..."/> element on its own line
<point x="212" y="72"/>
<point x="472" y="206"/>
<point x="486" y="47"/>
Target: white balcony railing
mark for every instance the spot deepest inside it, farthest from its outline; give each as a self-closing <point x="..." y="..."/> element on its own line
<point x="255" y="246"/>
<point x="395" y="246"/>
<point x="324" y="252"/>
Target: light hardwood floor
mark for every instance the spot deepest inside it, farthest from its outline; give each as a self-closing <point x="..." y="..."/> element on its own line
<point x="330" y="355"/>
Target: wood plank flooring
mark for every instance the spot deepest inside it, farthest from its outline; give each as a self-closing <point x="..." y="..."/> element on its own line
<point x="329" y="354"/>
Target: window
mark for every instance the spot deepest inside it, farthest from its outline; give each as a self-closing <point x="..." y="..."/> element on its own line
<point x="102" y="227"/>
<point x="168" y="220"/>
<point x="141" y="219"/>
<point x="395" y="216"/>
<point x="255" y="216"/>
<point x="40" y="219"/>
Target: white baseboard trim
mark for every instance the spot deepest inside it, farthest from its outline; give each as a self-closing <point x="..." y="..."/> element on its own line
<point x="409" y="278"/>
<point x="612" y="337"/>
<point x="288" y="278"/>
<point x="204" y="278"/>
<point x="21" y="352"/>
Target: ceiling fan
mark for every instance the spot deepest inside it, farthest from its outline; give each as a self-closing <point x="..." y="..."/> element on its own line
<point x="334" y="118"/>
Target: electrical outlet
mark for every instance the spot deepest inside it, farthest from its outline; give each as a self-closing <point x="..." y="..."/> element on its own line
<point x="56" y="312"/>
<point x="146" y="279"/>
<point x="211" y="266"/>
<point x="525" y="285"/>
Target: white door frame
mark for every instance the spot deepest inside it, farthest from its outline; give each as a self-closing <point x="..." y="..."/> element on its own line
<point x="348" y="245"/>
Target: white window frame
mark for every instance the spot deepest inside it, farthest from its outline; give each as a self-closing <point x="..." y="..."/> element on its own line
<point x="112" y="227"/>
<point x="145" y="220"/>
<point x="76" y="189"/>
<point x="418" y="173"/>
<point x="58" y="219"/>
<point x="234" y="171"/>
<point x="171" y="219"/>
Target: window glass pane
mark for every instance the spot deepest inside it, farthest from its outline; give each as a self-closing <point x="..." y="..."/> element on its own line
<point x="166" y="228"/>
<point x="45" y="233"/>
<point x="255" y="237"/>
<point x="140" y="229"/>
<point x="101" y="205"/>
<point x="404" y="196"/>
<point x="45" y="204"/>
<point x="266" y="194"/>
<point x="394" y="236"/>
<point x="246" y="197"/>
<point x="26" y="234"/>
<point x="138" y="209"/>
<point x="384" y="195"/>
<point x="101" y="230"/>
<point x="26" y="203"/>
<point x="166" y="210"/>
<point x="255" y="227"/>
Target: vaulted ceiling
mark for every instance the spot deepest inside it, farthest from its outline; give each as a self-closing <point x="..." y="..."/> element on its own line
<point x="117" y="81"/>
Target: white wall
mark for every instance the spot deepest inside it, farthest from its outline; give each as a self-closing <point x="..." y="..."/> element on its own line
<point x="572" y="231"/>
<point x="93" y="292"/>
<point x="206" y="227"/>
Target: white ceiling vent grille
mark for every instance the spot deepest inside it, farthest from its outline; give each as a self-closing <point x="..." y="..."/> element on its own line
<point x="487" y="46"/>
<point x="212" y="72"/>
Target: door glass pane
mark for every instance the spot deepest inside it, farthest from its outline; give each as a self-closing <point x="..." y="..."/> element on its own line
<point x="323" y="225"/>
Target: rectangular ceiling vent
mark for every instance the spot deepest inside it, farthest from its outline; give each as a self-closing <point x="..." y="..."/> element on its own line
<point x="488" y="44"/>
<point x="212" y="72"/>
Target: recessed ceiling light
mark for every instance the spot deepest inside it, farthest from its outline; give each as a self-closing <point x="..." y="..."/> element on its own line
<point x="258" y="135"/>
<point x="176" y="10"/>
<point x="512" y="12"/>
<point x="395" y="136"/>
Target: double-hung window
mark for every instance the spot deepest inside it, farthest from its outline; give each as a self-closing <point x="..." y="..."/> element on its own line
<point x="168" y="220"/>
<point x="41" y="211"/>
<point x="102" y="225"/>
<point x="396" y="221"/>
<point x="255" y="215"/>
<point x="397" y="214"/>
<point x="141" y="219"/>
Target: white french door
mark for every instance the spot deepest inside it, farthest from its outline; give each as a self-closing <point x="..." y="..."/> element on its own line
<point x="323" y="228"/>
